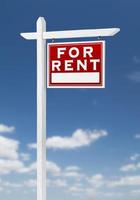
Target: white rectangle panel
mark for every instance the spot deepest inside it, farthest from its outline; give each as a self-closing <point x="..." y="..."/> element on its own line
<point x="77" y="77"/>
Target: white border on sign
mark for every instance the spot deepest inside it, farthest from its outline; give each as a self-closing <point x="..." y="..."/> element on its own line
<point x="103" y="67"/>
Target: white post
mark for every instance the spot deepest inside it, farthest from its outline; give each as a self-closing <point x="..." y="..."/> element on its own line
<point x="41" y="110"/>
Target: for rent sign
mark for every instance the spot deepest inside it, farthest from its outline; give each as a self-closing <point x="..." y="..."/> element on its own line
<point x="76" y="64"/>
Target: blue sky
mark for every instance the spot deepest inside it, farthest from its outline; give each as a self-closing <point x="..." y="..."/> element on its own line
<point x="99" y="131"/>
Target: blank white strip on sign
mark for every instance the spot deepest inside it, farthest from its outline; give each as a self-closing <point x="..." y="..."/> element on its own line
<point x="92" y="77"/>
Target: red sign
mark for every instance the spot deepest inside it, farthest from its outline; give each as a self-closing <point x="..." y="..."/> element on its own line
<point x="76" y="65"/>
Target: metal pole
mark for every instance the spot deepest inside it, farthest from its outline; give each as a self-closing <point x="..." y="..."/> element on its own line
<point x="41" y="110"/>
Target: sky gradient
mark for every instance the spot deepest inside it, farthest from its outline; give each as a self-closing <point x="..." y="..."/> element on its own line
<point x="93" y="135"/>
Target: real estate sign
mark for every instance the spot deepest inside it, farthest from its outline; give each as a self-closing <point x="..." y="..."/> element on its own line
<point x="76" y="64"/>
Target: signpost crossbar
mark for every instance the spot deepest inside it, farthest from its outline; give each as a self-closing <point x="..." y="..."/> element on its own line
<point x="73" y="33"/>
<point x="81" y="33"/>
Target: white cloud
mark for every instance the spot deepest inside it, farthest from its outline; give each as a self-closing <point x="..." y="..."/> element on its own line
<point x="8" y="166"/>
<point x="73" y="174"/>
<point x="28" y="169"/>
<point x="89" y="191"/>
<point x="113" y="195"/>
<point x="135" y="192"/>
<point x="8" y="148"/>
<point x="125" y="181"/>
<point x="90" y="185"/>
<point x="31" y="183"/>
<point x="96" y="180"/>
<point x="137" y="136"/>
<point x="55" y="170"/>
<point x="6" y="129"/>
<point x="76" y="189"/>
<point x="8" y="184"/>
<point x="51" y="167"/>
<point x="136" y="59"/>
<point x="32" y="146"/>
<point x="58" y="183"/>
<point x="72" y="168"/>
<point x="130" y="167"/>
<point x="99" y="181"/>
<point x="70" y="176"/>
<point x="135" y="157"/>
<point x="134" y="76"/>
<point x="25" y="156"/>
<point x="79" y="138"/>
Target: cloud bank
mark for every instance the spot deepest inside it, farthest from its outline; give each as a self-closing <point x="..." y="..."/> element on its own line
<point x="80" y="138"/>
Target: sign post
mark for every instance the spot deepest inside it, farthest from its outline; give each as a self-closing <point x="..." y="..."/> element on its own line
<point x="41" y="36"/>
<point x="41" y="110"/>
